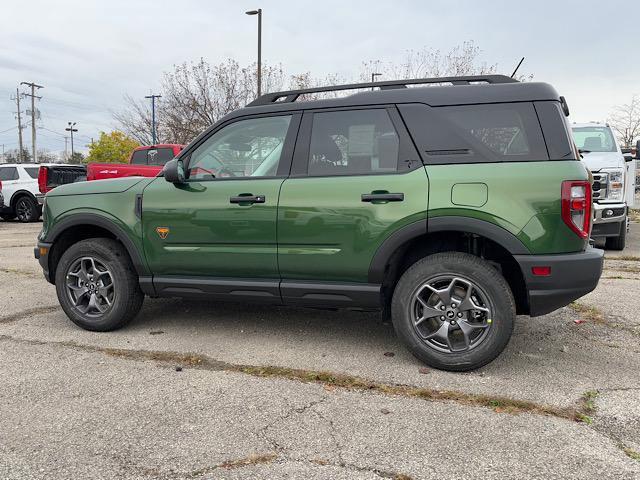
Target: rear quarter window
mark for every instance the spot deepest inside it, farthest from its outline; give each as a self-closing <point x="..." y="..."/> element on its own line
<point x="32" y="171"/>
<point x="139" y="157"/>
<point x="556" y="133"/>
<point x="503" y="132"/>
<point x="8" y="173"/>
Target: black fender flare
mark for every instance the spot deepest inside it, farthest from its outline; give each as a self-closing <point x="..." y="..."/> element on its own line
<point x="483" y="228"/>
<point x="79" y="219"/>
<point x="20" y="193"/>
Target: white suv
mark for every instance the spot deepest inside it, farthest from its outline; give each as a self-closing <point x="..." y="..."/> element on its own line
<point x="22" y="197"/>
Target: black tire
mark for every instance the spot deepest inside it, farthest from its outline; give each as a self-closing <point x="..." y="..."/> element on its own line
<point x="127" y="297"/>
<point x="494" y="289"/>
<point x="7" y="217"/>
<point x="26" y="209"/>
<point x="619" y="242"/>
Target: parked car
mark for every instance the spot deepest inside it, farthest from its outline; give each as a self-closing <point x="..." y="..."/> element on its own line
<point x="146" y="161"/>
<point x="22" y="198"/>
<point x="449" y="208"/>
<point x="54" y="175"/>
<point x="613" y="181"/>
<point x="1" y="197"/>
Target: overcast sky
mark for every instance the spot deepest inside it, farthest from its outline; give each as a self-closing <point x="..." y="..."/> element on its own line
<point x="89" y="53"/>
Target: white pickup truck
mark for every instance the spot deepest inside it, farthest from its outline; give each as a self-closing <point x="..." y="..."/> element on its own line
<point x="613" y="181"/>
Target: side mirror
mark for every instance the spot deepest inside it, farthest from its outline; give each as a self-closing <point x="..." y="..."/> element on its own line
<point x="628" y="157"/>
<point x="638" y="149"/>
<point x="174" y="171"/>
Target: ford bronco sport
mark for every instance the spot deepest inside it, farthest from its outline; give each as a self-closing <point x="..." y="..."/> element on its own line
<point x="450" y="207"/>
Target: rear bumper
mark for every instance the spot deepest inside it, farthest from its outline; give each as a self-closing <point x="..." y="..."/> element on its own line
<point x="572" y="276"/>
<point x="41" y="253"/>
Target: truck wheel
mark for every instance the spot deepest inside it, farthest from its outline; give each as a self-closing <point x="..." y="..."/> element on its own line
<point x="97" y="286"/>
<point x="619" y="242"/>
<point x="27" y="209"/>
<point x="453" y="311"/>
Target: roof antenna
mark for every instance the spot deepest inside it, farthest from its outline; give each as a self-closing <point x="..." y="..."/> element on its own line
<point x="514" y="72"/>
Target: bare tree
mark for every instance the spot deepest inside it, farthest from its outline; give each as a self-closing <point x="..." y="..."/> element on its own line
<point x="625" y="121"/>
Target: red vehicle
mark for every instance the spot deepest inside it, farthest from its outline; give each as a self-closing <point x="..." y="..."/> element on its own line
<point x="144" y="161"/>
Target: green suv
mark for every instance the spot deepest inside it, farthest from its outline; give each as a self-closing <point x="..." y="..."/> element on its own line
<point x="450" y="204"/>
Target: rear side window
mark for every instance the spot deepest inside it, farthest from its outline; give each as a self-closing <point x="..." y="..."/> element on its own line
<point x="32" y="171"/>
<point x="504" y="132"/>
<point x="139" y="157"/>
<point x="8" y="173"/>
<point x="159" y="156"/>
<point x="556" y="133"/>
<point x="353" y="142"/>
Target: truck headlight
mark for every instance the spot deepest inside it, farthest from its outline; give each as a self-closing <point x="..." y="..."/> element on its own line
<point x="616" y="185"/>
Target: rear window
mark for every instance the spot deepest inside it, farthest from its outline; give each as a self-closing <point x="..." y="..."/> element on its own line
<point x="32" y="171"/>
<point x="159" y="156"/>
<point x="505" y="132"/>
<point x="139" y="157"/>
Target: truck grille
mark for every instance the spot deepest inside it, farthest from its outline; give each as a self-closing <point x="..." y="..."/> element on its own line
<point x="599" y="187"/>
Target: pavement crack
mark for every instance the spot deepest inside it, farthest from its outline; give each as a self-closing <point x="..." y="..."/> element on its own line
<point x="14" y="317"/>
<point x="497" y="403"/>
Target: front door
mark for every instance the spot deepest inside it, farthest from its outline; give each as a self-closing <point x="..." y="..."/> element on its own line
<point x="221" y="222"/>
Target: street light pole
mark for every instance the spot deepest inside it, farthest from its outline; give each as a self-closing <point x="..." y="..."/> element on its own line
<point x="153" y="115"/>
<point x="259" y="13"/>
<point x="71" y="129"/>
<point x="373" y="78"/>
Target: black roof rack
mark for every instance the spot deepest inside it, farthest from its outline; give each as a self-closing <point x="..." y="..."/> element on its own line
<point x="292" y="95"/>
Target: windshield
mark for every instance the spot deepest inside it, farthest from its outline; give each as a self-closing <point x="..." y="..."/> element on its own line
<point x="594" y="139"/>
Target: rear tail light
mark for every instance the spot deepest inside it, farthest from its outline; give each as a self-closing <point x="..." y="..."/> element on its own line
<point x="576" y="206"/>
<point x="42" y="179"/>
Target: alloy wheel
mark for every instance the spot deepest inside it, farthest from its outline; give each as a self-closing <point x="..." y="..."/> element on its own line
<point x="90" y="287"/>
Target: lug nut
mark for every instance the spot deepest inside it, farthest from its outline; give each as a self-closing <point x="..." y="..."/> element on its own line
<point x="442" y="317"/>
<point x="442" y="307"/>
<point x="460" y="314"/>
<point x="453" y="305"/>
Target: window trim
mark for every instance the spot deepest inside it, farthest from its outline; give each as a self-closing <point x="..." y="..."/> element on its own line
<point x="285" y="157"/>
<point x="408" y="157"/>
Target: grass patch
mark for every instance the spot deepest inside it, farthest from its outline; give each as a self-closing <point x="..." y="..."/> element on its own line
<point x="592" y="314"/>
<point x="631" y="453"/>
<point x="253" y="459"/>
<point x="626" y="258"/>
<point x="634" y="215"/>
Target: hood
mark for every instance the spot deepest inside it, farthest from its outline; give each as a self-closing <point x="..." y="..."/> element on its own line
<point x="596" y="161"/>
<point x="113" y="185"/>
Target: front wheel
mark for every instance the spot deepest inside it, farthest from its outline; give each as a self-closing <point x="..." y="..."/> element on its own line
<point x="97" y="286"/>
<point x="453" y="311"/>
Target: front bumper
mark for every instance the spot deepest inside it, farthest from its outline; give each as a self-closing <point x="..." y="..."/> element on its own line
<point x="40" y="198"/>
<point x="41" y="253"/>
<point x="607" y="219"/>
<point x="572" y="276"/>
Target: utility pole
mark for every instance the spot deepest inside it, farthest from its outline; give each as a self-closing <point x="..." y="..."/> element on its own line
<point x="71" y="129"/>
<point x="373" y="78"/>
<point x="258" y="12"/>
<point x="19" y="126"/>
<point x="33" y="115"/>
<point x="153" y="115"/>
<point x="66" y="155"/>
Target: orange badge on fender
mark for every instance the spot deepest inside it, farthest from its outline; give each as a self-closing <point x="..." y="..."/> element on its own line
<point x="163" y="232"/>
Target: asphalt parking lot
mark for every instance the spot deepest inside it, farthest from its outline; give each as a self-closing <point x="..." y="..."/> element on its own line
<point x="195" y="390"/>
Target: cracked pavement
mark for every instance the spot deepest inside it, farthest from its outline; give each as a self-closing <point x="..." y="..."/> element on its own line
<point x="69" y="412"/>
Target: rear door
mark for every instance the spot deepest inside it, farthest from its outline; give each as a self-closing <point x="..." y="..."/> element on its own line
<point x="10" y="182"/>
<point x="356" y="179"/>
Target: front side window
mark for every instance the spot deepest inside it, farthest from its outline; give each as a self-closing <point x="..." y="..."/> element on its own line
<point x="32" y="171"/>
<point x="8" y="173"/>
<point x="594" y="139"/>
<point x="247" y="148"/>
<point x="354" y="142"/>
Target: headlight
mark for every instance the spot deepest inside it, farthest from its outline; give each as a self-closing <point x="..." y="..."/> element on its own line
<point x="615" y="189"/>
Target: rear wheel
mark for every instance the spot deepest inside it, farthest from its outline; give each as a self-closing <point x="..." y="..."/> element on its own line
<point x="97" y="286"/>
<point x="619" y="242"/>
<point x="453" y="311"/>
<point x="27" y="209"/>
